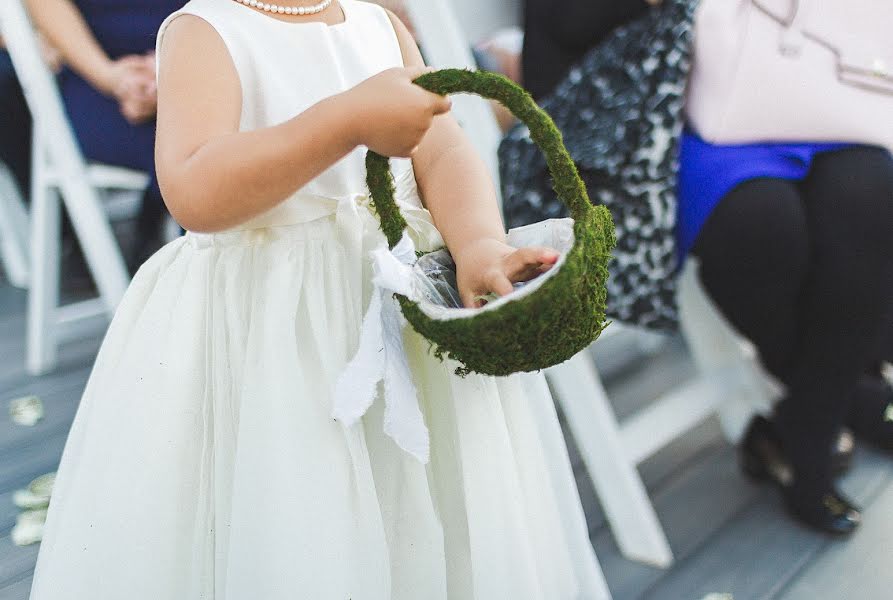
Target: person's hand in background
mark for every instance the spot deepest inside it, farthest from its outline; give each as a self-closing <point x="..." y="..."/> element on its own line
<point x="131" y="80"/>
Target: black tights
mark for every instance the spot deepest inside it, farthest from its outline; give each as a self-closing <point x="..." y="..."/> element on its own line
<point x="805" y="271"/>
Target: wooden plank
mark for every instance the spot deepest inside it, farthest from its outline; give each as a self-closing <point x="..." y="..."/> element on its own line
<point x="73" y="356"/>
<point x="857" y="570"/>
<point x="761" y="549"/>
<point x="705" y="495"/>
<point x="20" y="466"/>
<point x="19" y="590"/>
<point x="60" y="397"/>
<point x="15" y="562"/>
<point x="12" y="300"/>
<point x="648" y="378"/>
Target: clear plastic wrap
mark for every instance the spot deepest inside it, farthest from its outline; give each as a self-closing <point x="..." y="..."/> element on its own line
<point x="435" y="273"/>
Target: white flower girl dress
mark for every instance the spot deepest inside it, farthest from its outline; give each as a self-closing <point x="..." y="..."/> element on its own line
<point x="204" y="462"/>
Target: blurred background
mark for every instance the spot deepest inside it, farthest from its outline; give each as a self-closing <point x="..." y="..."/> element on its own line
<point x="742" y="147"/>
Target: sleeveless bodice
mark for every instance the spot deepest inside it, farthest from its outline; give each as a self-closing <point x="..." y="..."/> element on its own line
<point x="287" y="67"/>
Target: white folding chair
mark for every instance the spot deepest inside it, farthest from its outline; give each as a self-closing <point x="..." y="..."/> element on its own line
<point x="577" y="384"/>
<point x="446" y="45"/>
<point x="13" y="230"/>
<point x="729" y="384"/>
<point x="61" y="173"/>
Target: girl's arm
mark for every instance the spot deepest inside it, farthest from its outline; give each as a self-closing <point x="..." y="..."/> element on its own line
<point x="214" y="177"/>
<point x="458" y="190"/>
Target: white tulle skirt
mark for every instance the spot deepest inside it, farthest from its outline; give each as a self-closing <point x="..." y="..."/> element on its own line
<point x="204" y="463"/>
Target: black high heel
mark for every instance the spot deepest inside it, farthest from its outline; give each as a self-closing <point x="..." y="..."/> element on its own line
<point x="763" y="459"/>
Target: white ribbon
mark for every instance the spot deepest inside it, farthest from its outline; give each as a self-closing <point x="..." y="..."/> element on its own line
<point x="382" y="357"/>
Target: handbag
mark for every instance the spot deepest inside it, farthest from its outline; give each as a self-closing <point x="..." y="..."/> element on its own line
<point x="793" y="70"/>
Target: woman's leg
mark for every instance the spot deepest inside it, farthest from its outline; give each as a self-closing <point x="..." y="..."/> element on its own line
<point x="760" y="266"/>
<point x="850" y="203"/>
<point x="754" y="255"/>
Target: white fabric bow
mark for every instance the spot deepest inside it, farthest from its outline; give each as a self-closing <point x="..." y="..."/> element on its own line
<point x="382" y="357"/>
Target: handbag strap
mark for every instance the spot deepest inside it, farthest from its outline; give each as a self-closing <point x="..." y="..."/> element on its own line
<point x="792" y="36"/>
<point x="875" y="77"/>
<point x="793" y="24"/>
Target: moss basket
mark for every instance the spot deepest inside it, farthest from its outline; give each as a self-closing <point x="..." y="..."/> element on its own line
<point x="565" y="312"/>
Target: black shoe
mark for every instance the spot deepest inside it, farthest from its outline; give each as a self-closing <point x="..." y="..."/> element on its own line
<point x="872" y="414"/>
<point x="819" y="506"/>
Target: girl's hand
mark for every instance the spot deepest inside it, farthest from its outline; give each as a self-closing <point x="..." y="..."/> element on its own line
<point x="489" y="266"/>
<point x="391" y="114"/>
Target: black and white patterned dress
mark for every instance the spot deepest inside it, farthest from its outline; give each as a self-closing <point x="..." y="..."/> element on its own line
<point x="621" y="112"/>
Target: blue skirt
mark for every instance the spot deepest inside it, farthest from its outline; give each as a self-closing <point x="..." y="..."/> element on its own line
<point x="708" y="172"/>
<point x="121" y="27"/>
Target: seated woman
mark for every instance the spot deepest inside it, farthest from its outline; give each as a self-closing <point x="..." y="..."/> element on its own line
<point x="793" y="241"/>
<point x="109" y="88"/>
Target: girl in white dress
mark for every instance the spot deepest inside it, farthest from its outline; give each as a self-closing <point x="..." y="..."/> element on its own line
<point x="204" y="462"/>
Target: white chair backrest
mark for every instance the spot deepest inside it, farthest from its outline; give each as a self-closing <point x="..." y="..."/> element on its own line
<point x="40" y="89"/>
<point x="480" y="19"/>
<point x="447" y="43"/>
<point x="58" y="161"/>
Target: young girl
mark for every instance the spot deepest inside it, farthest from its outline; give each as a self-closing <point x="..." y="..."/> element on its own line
<point x="204" y="462"/>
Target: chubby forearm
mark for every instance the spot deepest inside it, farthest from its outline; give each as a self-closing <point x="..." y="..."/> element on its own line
<point x="457" y="189"/>
<point x="236" y="176"/>
<point x="64" y="27"/>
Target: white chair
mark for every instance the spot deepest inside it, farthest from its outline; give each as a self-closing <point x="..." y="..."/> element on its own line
<point x="729" y="383"/>
<point x="13" y="230"/>
<point x="446" y="45"/>
<point x="61" y="173"/>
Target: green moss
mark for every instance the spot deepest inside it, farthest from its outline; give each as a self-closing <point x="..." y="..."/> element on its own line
<point x="567" y="313"/>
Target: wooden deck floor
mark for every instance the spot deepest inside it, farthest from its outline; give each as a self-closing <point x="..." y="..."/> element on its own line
<point x="728" y="535"/>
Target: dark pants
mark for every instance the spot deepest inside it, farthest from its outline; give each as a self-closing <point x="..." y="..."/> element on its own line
<point x="15" y="125"/>
<point x="805" y="271"/>
<point x="105" y="136"/>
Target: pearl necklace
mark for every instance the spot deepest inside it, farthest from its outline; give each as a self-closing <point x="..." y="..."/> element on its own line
<point x="288" y="10"/>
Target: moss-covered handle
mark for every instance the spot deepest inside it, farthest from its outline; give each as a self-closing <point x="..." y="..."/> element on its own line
<point x="543" y="132"/>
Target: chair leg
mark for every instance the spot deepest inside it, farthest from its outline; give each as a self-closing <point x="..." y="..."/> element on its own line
<point x="96" y="238"/>
<point x="13" y="231"/>
<point x="715" y="345"/>
<point x="594" y="587"/>
<point x="591" y="419"/>
<point x="43" y="296"/>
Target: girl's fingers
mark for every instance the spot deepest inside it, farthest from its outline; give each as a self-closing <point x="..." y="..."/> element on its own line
<point x="442" y="105"/>
<point x="526" y="263"/>
<point x="499" y="284"/>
